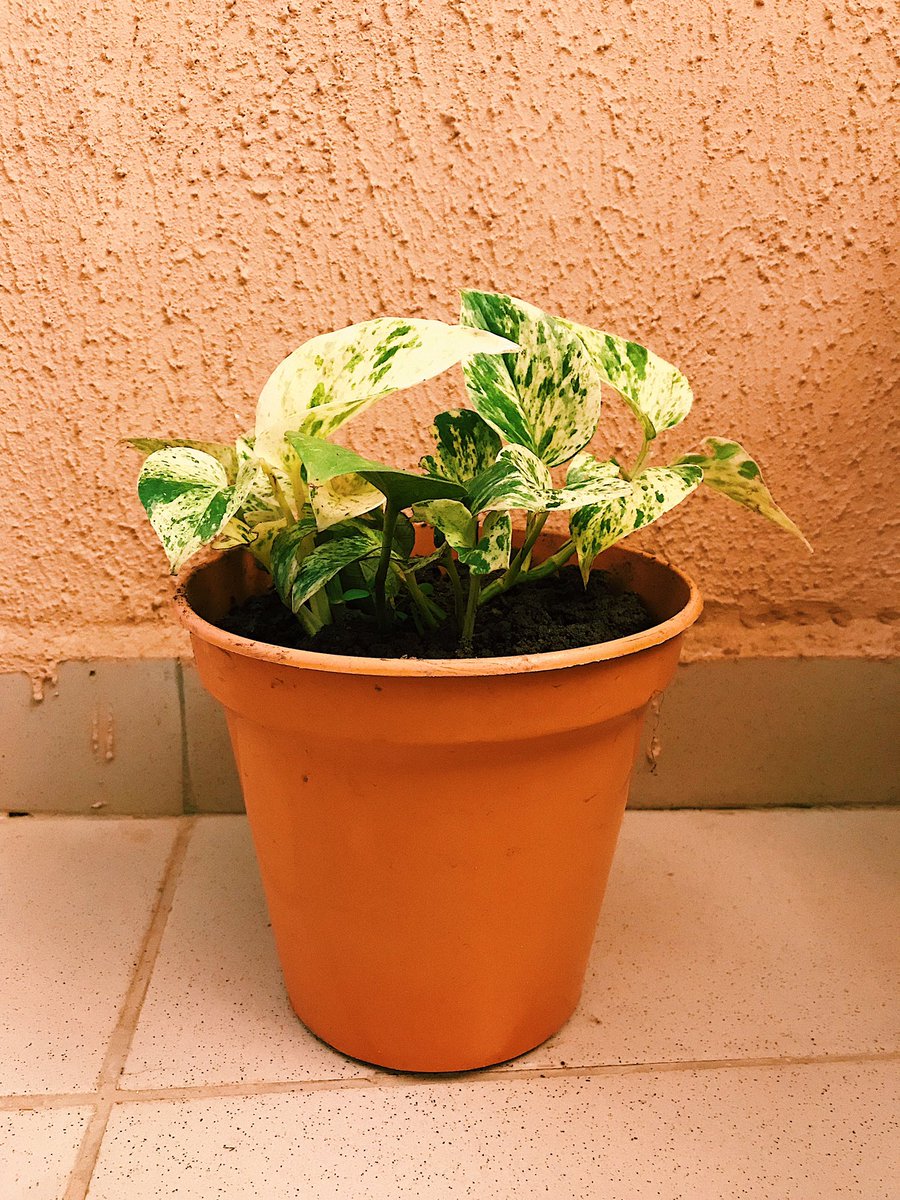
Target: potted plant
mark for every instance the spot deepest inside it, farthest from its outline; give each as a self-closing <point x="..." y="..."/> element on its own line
<point x="434" y="803"/>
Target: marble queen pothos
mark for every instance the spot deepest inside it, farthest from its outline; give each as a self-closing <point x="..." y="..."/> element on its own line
<point x="334" y="528"/>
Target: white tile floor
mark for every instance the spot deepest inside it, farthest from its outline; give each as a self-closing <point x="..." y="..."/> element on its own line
<point x="738" y="1034"/>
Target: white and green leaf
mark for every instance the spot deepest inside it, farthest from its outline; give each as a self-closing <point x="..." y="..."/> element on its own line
<point x="299" y="576"/>
<point x="654" y="492"/>
<point x="493" y="549"/>
<point x="656" y="392"/>
<point x="482" y="552"/>
<point x="465" y="445"/>
<point x="451" y="518"/>
<point x="547" y="396"/>
<point x="188" y="499"/>
<point x="342" y="498"/>
<point x="728" y="468"/>
<point x="335" y="376"/>
<point x="226" y="455"/>
<point x="519" y="479"/>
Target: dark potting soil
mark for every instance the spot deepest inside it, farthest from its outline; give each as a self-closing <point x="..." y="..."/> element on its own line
<point x="557" y="613"/>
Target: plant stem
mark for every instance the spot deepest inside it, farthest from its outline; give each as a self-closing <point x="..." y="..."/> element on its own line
<point x="471" y="611"/>
<point x="459" y="602"/>
<point x="299" y="488"/>
<point x="391" y="512"/>
<point x="426" y="609"/>
<point x="286" y="509"/>
<point x="509" y="577"/>
<point x="551" y="564"/>
<point x="308" y="621"/>
<point x="529" y="526"/>
<point x="318" y="602"/>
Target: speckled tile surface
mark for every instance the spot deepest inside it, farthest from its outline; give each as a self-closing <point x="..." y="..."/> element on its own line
<point x="734" y="935"/>
<point x="216" y="1011"/>
<point x="75" y="900"/>
<point x="37" y="1152"/>
<point x="755" y="937"/>
<point x="724" y="935"/>
<point x="802" y="1132"/>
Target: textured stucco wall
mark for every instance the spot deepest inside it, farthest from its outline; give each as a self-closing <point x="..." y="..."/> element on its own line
<point x="190" y="188"/>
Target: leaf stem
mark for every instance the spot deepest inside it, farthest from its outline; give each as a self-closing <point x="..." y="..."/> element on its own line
<point x="459" y="601"/>
<point x="391" y="513"/>
<point x="318" y="602"/>
<point x="551" y="564"/>
<point x="286" y="509"/>
<point x="307" y="620"/>
<point x="640" y="460"/>
<point x="421" y="601"/>
<point x="299" y="488"/>
<point x="468" y="627"/>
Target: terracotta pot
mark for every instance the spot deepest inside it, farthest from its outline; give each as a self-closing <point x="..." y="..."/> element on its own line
<point x="434" y="837"/>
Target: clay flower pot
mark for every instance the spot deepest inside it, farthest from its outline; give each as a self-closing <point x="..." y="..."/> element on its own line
<point x="434" y="837"/>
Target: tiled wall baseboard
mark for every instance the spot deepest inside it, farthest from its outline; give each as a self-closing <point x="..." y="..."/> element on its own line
<point x="141" y="737"/>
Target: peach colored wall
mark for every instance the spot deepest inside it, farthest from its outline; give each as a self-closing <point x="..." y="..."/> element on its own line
<point x="189" y="189"/>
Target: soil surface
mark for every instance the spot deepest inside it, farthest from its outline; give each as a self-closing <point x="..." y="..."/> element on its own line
<point x="557" y="613"/>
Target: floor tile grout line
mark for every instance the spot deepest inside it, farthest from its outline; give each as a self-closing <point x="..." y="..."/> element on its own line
<point x="120" y="1041"/>
<point x="507" y="1074"/>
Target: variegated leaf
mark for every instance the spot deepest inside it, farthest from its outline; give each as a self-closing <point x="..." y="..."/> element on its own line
<point x="482" y="554"/>
<point x="587" y="471"/>
<point x="325" y="461"/>
<point x="289" y="547"/>
<point x="547" y="396"/>
<point x="465" y="445"/>
<point x="235" y="533"/>
<point x="494" y="546"/>
<point x="226" y="455"/>
<point x="654" y="492"/>
<point x="728" y="468"/>
<point x="298" y="577"/>
<point x="333" y="377"/>
<point x="261" y="503"/>
<point x="451" y="518"/>
<point x="342" y="498"/>
<point x="261" y="514"/>
<point x="188" y="499"/>
<point x="519" y="479"/>
<point x="656" y="392"/>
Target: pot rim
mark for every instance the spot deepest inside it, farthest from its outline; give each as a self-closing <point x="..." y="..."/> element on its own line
<point x="341" y="664"/>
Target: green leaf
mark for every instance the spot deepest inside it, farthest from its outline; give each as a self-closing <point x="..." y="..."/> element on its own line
<point x="519" y="479"/>
<point x="465" y="445"/>
<point x="331" y="378"/>
<point x="404" y="536"/>
<point x="226" y="455"/>
<point x="728" y="468"/>
<point x="656" y="392"/>
<point x="325" y="461"/>
<point x="654" y="492"/>
<point x="299" y="577"/>
<point x="188" y="499"/>
<point x="547" y="396"/>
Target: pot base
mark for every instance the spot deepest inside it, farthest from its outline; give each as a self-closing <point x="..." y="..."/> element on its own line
<point x="454" y="1065"/>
